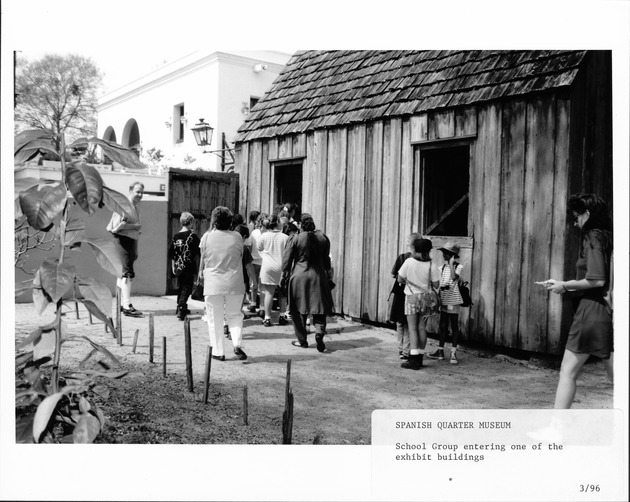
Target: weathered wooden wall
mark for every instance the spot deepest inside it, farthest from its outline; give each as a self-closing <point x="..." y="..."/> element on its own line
<point x="362" y="185"/>
<point x="197" y="192"/>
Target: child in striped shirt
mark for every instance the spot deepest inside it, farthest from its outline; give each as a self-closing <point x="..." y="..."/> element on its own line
<point x="451" y="300"/>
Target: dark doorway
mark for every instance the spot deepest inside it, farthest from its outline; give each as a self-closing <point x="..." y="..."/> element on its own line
<point x="446" y="176"/>
<point x="288" y="182"/>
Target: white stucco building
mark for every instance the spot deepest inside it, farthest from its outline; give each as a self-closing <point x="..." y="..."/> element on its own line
<point x="159" y="109"/>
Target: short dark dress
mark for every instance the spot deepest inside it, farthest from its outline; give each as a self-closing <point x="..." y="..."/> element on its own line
<point x="592" y="328"/>
<point x="308" y="288"/>
<point x="397" y="295"/>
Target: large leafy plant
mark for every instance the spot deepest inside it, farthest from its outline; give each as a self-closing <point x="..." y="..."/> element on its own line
<point x="51" y="407"/>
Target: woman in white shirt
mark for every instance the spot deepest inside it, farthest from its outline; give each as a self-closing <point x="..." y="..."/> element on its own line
<point x="221" y="267"/>
<point x="418" y="274"/>
<point x="271" y="246"/>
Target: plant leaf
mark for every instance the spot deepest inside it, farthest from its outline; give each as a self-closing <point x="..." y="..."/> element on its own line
<point x="41" y="299"/>
<point x="41" y="204"/>
<point x="99" y="348"/>
<point x="56" y="278"/>
<point x="112" y="376"/>
<point x="87" y="429"/>
<point x="74" y="231"/>
<point x="106" y="255"/>
<point x="85" y="185"/>
<point x="102" y="391"/>
<point x="28" y="144"/>
<point x="116" y="152"/>
<point x="24" y="429"/>
<point x="33" y="337"/>
<point x="84" y="405"/>
<point x="45" y="345"/>
<point x="43" y="414"/>
<point x="117" y="202"/>
<point x="96" y="292"/>
<point x="22" y="359"/>
<point x="95" y="311"/>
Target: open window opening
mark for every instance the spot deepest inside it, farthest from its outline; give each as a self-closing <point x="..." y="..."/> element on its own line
<point x="446" y="178"/>
<point x="179" y="123"/>
<point x="288" y="183"/>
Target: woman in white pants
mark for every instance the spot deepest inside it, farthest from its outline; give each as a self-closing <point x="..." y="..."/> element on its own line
<point x="221" y="267"/>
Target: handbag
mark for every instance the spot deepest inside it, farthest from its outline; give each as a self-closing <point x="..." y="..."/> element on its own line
<point x="465" y="293"/>
<point x="197" y="292"/>
<point x="427" y="302"/>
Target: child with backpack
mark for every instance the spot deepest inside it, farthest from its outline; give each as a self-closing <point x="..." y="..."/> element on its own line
<point x="184" y="253"/>
<point x="451" y="300"/>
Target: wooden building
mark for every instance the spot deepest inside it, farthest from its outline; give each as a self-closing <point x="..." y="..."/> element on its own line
<point x="478" y="147"/>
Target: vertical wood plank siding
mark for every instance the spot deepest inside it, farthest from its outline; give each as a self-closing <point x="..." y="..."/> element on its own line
<point x="390" y="213"/>
<point x="362" y="184"/>
<point x="510" y="224"/>
<point x="373" y="222"/>
<point x="198" y="193"/>
<point x="559" y="318"/>
<point x="336" y="213"/>
<point x="354" y="272"/>
<point x="486" y="235"/>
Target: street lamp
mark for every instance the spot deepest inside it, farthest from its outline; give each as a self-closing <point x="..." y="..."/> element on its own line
<point x="203" y="135"/>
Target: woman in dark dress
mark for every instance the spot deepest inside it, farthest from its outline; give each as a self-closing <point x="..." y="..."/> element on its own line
<point x="307" y="263"/>
<point x="591" y="333"/>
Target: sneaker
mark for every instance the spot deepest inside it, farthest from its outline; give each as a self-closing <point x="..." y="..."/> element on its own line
<point x="130" y="312"/>
<point x="321" y="346"/>
<point x="266" y="322"/>
<point x="240" y="354"/>
<point x="252" y="308"/>
<point x="438" y="354"/>
<point x="296" y="343"/>
<point x="413" y="363"/>
<point x="282" y="320"/>
<point x="219" y="358"/>
<point x="454" y="358"/>
<point x="402" y="355"/>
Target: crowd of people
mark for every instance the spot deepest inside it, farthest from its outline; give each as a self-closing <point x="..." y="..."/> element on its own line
<point x="273" y="259"/>
<point x="282" y="258"/>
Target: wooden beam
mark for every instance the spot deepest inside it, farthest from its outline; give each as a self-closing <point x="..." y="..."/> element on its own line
<point x="463" y="199"/>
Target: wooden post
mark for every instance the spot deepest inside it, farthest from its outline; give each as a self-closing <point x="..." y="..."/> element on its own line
<point x="206" y="381"/>
<point x="135" y="340"/>
<point x="163" y="356"/>
<point x="245" y="405"/>
<point x="188" y="354"/>
<point x="76" y="307"/>
<point x="287" y="416"/>
<point x="118" y="316"/>
<point x="151" y="338"/>
<point x="287" y="420"/>
<point x="90" y="314"/>
<point x="287" y="388"/>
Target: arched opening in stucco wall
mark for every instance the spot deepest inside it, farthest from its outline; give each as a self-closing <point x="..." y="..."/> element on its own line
<point x="131" y="136"/>
<point x="109" y="134"/>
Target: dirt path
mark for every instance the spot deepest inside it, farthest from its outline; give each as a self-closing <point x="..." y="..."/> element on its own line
<point x="334" y="392"/>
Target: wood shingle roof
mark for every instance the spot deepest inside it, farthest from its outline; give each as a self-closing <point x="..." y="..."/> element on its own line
<point x="320" y="89"/>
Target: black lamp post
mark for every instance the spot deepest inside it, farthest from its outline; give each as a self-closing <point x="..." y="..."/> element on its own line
<point x="203" y="135"/>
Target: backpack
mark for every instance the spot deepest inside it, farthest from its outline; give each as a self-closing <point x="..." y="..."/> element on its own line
<point x="182" y="255"/>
